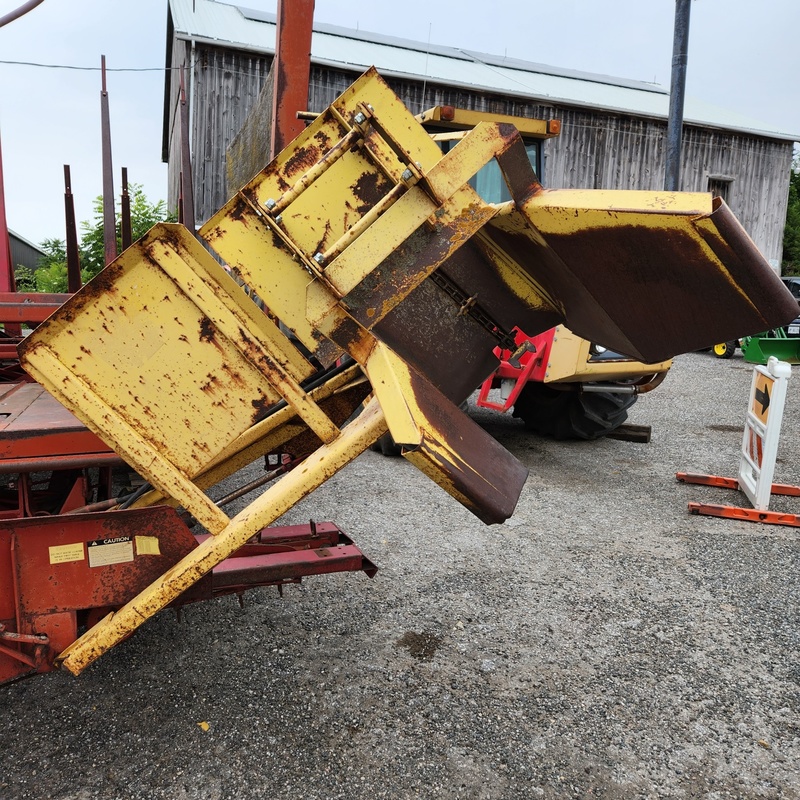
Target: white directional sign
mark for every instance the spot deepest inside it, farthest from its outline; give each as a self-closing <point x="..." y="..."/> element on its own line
<point x="762" y="431"/>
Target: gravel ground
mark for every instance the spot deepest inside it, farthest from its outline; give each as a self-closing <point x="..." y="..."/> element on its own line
<point x="601" y="643"/>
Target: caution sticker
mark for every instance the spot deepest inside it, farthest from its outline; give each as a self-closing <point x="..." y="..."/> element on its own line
<point x="117" y="550"/>
<point x="62" y="553"/>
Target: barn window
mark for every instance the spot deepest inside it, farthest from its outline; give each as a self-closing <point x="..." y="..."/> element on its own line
<point x="719" y="186"/>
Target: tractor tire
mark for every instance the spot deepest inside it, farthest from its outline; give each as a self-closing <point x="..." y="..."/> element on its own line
<point x="725" y="349"/>
<point x="568" y="414"/>
<point x="386" y="445"/>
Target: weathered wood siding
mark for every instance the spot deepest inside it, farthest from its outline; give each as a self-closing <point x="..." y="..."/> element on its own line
<point x="180" y="55"/>
<point x="224" y="86"/>
<point x="596" y="149"/>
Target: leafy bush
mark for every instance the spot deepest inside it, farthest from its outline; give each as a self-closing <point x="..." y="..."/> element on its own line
<point x="51" y="272"/>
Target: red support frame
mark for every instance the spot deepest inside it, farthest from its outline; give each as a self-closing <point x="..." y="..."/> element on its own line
<point x="291" y="68"/>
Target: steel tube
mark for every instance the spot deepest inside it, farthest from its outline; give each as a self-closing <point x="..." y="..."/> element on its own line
<point x="680" y="57"/>
<point x="73" y="254"/>
<point x="17" y="13"/>
<point x="109" y="215"/>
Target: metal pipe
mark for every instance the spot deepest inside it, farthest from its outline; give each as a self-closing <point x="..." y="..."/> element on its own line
<point x="352" y="137"/>
<point x="616" y="388"/>
<point x="101" y="505"/>
<point x="291" y="70"/>
<point x="355" y="230"/>
<point x="7" y="282"/>
<point x="127" y="234"/>
<point x="73" y="254"/>
<point x="680" y="57"/>
<point x="109" y="214"/>
<point x="16" y="14"/>
<point x="257" y="483"/>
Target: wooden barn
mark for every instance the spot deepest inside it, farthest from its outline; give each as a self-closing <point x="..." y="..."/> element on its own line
<point x="613" y="131"/>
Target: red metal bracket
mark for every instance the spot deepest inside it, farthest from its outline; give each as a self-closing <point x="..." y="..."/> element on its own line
<point x="522" y="375"/>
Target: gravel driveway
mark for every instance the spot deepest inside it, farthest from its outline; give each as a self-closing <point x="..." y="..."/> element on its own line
<point x="601" y="643"/>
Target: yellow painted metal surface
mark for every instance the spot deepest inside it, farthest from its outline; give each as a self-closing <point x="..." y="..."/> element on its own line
<point x="570" y="360"/>
<point x="276" y="500"/>
<point x="449" y="116"/>
<point x="362" y="238"/>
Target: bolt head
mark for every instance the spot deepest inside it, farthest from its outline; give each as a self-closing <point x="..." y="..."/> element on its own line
<point x="360" y="118"/>
<point x="319" y="258"/>
<point x="407" y="175"/>
<point x="270" y="203"/>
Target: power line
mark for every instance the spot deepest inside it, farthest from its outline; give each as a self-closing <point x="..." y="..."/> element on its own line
<point x="85" y="69"/>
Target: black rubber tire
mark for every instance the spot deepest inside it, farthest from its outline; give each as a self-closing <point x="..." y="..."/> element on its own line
<point x="571" y="414"/>
<point x="386" y="445"/>
<point x="725" y="349"/>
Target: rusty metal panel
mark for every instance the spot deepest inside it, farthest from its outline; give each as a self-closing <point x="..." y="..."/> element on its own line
<point x="70" y="550"/>
<point x="35" y="426"/>
<point x="444" y="443"/>
<point x="125" y="353"/>
<point x="53" y="566"/>
<point x="648" y="274"/>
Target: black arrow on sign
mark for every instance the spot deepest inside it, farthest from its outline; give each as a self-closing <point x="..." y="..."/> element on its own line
<point x="762" y="396"/>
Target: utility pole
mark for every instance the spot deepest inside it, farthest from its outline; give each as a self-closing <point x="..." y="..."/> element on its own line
<point x="677" y="91"/>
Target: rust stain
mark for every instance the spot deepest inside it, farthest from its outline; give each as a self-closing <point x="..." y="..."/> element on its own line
<point x="234" y="376"/>
<point x="240" y="210"/>
<point x="211" y="384"/>
<point x="207" y="332"/>
<point x="302" y="160"/>
<point x="369" y="189"/>
<point x="323" y="140"/>
<point x="262" y="407"/>
<point x="283" y="185"/>
<point x="321" y="247"/>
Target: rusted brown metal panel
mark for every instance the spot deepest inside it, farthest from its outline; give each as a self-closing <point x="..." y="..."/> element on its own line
<point x="450" y="453"/>
<point x="646" y="287"/>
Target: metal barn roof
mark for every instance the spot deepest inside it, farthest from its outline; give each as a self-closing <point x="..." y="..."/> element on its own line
<point x="347" y="49"/>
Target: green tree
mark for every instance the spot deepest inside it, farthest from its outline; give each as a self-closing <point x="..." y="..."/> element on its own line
<point x="143" y="216"/>
<point x="51" y="273"/>
<point x="791" y="233"/>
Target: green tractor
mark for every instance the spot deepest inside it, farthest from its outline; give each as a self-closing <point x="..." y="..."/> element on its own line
<point x="783" y="343"/>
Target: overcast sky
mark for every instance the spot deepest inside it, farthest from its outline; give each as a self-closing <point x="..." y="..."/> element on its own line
<point x="742" y="55"/>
